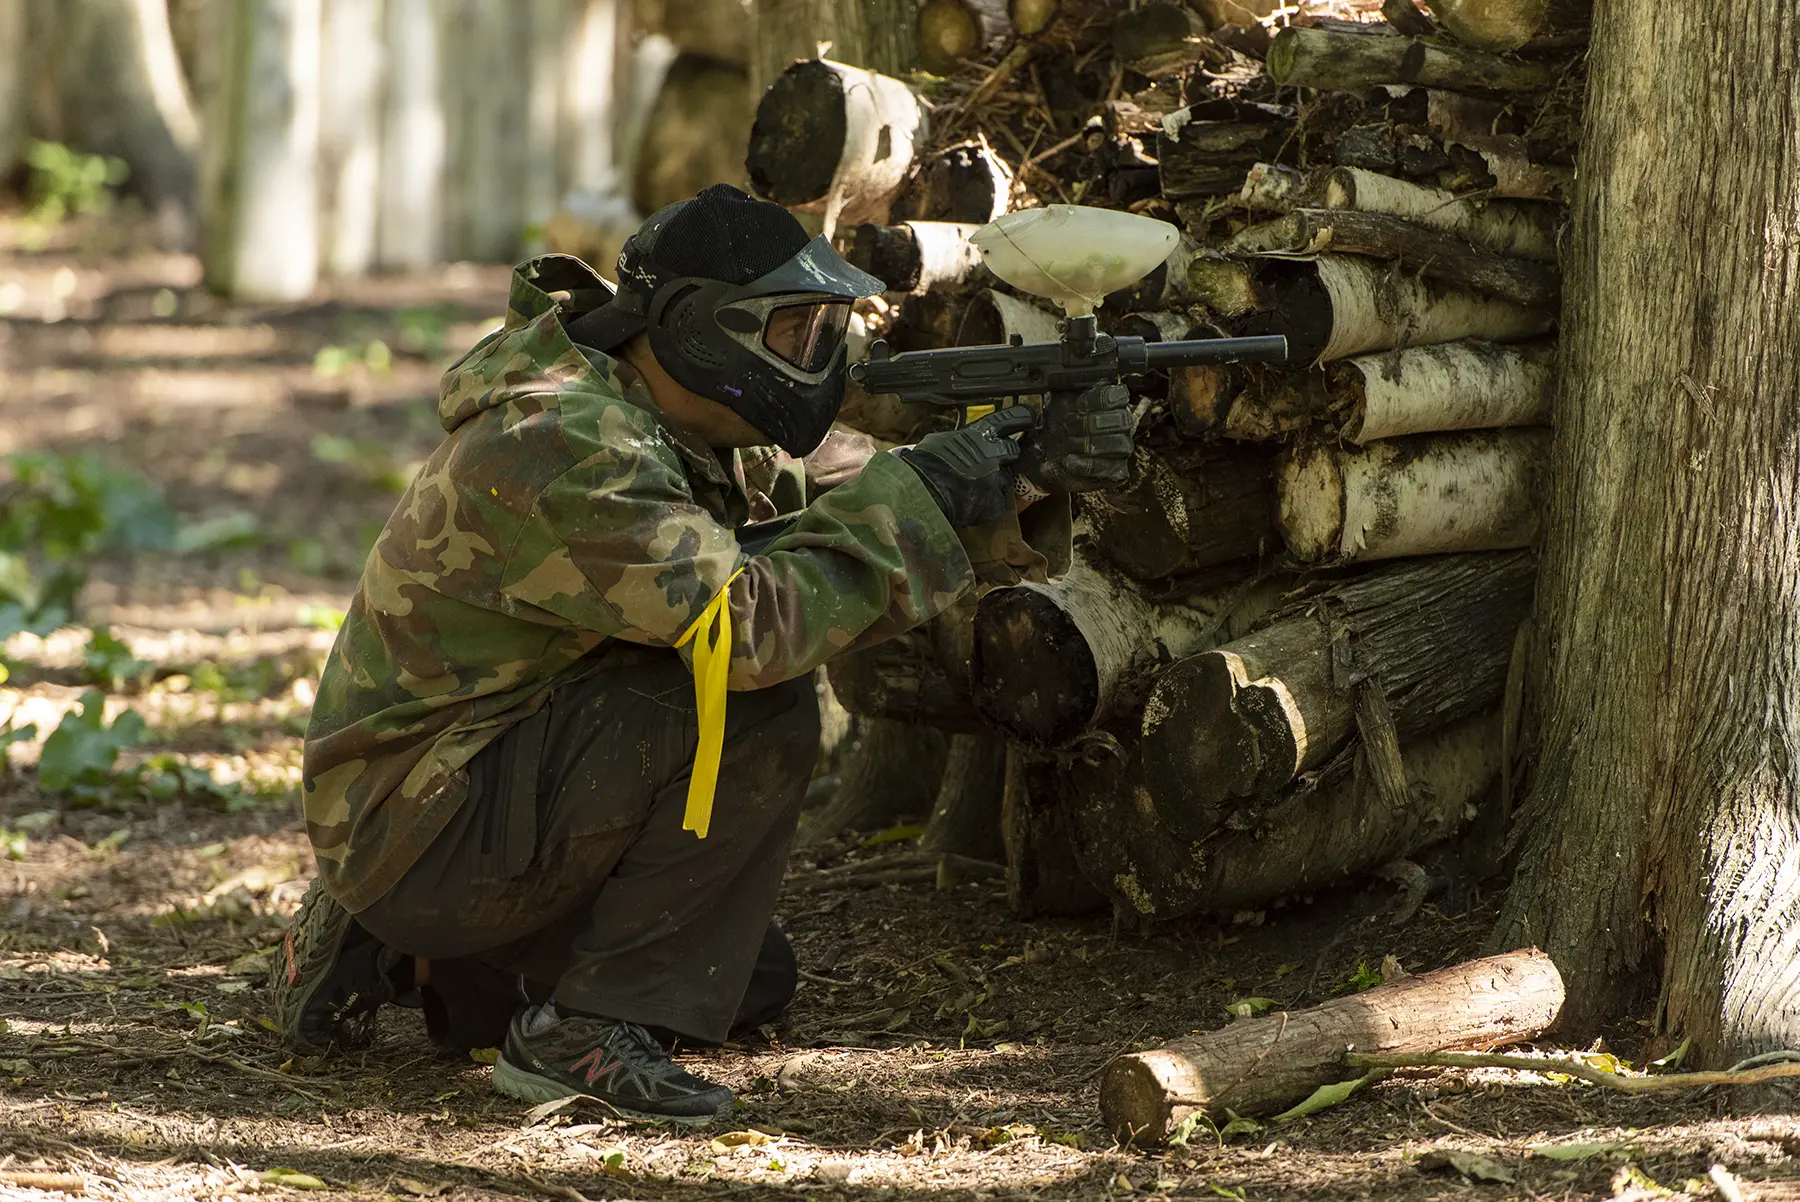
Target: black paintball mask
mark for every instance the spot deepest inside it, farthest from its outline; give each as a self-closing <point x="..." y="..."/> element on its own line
<point x="741" y="307"/>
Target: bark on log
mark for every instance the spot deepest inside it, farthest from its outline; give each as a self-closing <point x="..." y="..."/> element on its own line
<point x="1423" y="495"/>
<point x="951" y="32"/>
<point x="1451" y="386"/>
<point x="1051" y="660"/>
<point x="1335" y="306"/>
<point x="1525" y="230"/>
<point x="1042" y="876"/>
<point x="905" y="680"/>
<point x="696" y="126"/>
<point x="1338" y="60"/>
<point x="834" y="139"/>
<point x="890" y="772"/>
<point x="1213" y="158"/>
<point x="876" y="35"/>
<point x="917" y="256"/>
<point x="1242" y="721"/>
<point x="1266" y="1064"/>
<point x="965" y="817"/>
<point x="1428" y="251"/>
<point x="1275" y="188"/>
<point x="1189" y="509"/>
<point x="1504" y="25"/>
<point x="1164" y="288"/>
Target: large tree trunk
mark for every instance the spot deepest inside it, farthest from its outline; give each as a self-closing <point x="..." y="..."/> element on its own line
<point x="698" y="128"/>
<point x="16" y="59"/>
<point x="115" y="86"/>
<point x="1663" y="827"/>
<point x="877" y="34"/>
<point x="410" y="218"/>
<point x="350" y="136"/>
<point x="261" y="238"/>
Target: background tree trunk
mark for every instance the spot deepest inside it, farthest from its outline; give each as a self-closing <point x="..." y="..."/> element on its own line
<point x="877" y="34"/>
<point x="350" y="136"/>
<point x="1662" y="827"/>
<point x="410" y="223"/>
<point x="261" y="233"/>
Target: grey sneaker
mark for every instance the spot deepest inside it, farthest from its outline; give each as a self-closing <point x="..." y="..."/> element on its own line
<point x="549" y="1056"/>
<point x="329" y="977"/>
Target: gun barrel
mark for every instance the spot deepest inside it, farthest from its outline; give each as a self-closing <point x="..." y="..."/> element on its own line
<point x="1272" y="348"/>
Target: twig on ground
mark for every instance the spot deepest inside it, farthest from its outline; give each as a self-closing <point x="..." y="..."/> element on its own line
<point x="66" y="1183"/>
<point x="904" y="868"/>
<point x="553" y="1190"/>
<point x="1573" y="1068"/>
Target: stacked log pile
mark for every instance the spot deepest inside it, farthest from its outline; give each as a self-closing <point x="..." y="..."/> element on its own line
<point x="1285" y="654"/>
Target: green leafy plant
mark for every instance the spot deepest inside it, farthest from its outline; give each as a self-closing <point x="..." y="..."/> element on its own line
<point x="109" y="663"/>
<point x="424" y="331"/>
<point x="66" y="181"/>
<point x="339" y="357"/>
<point x="1363" y="978"/>
<point x="78" y="757"/>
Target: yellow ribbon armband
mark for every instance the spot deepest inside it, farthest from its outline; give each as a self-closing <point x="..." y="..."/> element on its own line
<point x="712" y="671"/>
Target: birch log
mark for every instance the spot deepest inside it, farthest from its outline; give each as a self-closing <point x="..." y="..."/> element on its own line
<point x="1423" y="495"/>
<point x="1051" y="659"/>
<point x="1511" y="228"/>
<point x="917" y="256"/>
<point x="835" y="139"/>
<point x="1185" y="510"/>
<point x="1421" y="248"/>
<point x="968" y="183"/>
<point x="1338" y="60"/>
<point x="1266" y="1064"/>
<point x="1241" y="721"/>
<point x="1451" y="386"/>
<point x="994" y="317"/>
<point x="1336" y="306"/>
<point x="260" y="227"/>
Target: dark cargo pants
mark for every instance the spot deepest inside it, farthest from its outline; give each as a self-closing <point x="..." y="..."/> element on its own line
<point x="567" y="864"/>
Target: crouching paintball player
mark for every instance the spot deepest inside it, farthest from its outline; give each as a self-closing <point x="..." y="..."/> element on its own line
<point x="560" y="746"/>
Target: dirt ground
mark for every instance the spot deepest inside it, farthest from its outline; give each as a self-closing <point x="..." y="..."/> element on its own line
<point x="938" y="1047"/>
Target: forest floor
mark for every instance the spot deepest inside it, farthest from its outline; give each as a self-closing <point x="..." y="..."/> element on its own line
<point x="938" y="1047"/>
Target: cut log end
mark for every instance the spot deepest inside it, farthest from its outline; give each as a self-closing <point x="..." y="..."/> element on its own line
<point x="948" y="33"/>
<point x="1311" y="490"/>
<point x="1035" y="672"/>
<point x="1032" y="17"/>
<point x="1201" y="731"/>
<point x="799" y="134"/>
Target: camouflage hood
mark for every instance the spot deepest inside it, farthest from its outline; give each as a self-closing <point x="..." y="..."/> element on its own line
<point x="542" y="348"/>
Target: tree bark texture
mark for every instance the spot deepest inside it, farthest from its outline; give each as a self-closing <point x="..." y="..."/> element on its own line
<point x="877" y="34"/>
<point x="873" y="792"/>
<point x="904" y="679"/>
<point x="1265" y="1064"/>
<point x="698" y="128"/>
<point x="965" y="817"/>
<point x="1663" y="825"/>
<point x="1042" y="876"/>
<point x="1239" y="722"/>
<point x="410" y="221"/>
<point x="720" y="29"/>
<point x="1525" y="229"/>
<point x="350" y="136"/>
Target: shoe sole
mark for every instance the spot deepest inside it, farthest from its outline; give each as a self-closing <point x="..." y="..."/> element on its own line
<point x="291" y="998"/>
<point x="516" y="1082"/>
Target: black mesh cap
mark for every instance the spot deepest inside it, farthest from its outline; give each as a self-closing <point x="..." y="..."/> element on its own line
<point x="721" y="234"/>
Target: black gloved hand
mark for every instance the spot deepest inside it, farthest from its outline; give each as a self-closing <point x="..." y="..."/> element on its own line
<point x="1084" y="444"/>
<point x="969" y="471"/>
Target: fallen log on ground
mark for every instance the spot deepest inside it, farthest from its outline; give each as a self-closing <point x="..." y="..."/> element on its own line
<point x="994" y="317"/>
<point x="1263" y="1065"/>
<point x="1241" y="721"/>
<point x="1335" y="306"/>
<point x="834" y="139"/>
<point x="1344" y="61"/>
<point x="1420" y="248"/>
<point x="917" y="256"/>
<point x="1521" y="228"/>
<point x="1442" y="387"/>
<point x="1425" y="494"/>
<point x="1051" y="659"/>
<point x="1188" y="509"/>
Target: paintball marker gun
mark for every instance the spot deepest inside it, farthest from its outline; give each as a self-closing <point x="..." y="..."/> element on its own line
<point x="1072" y="255"/>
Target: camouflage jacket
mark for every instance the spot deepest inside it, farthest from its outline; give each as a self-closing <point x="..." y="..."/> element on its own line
<point x="563" y="510"/>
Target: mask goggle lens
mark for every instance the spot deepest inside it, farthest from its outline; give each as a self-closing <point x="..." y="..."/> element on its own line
<point x="807" y="335"/>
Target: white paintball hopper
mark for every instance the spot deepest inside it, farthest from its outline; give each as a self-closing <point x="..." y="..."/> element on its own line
<point x="1072" y="254"/>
